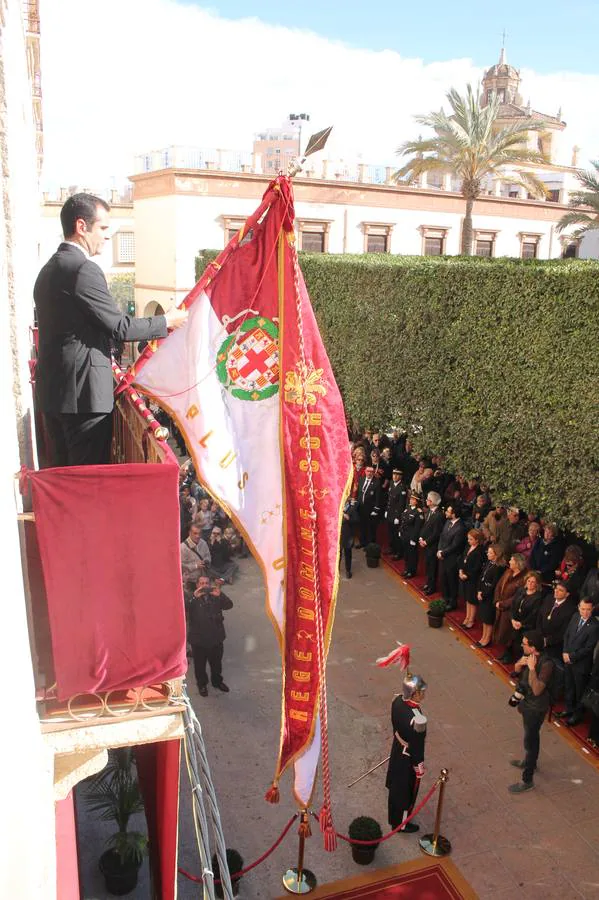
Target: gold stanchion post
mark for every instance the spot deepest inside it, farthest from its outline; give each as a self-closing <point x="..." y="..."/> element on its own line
<point x="299" y="880"/>
<point x="436" y="844"/>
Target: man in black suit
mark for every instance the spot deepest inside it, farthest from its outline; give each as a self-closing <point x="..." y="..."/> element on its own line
<point x="369" y="502"/>
<point x="398" y="500"/>
<point x="429" y="539"/>
<point x="78" y="319"/>
<point x="553" y="619"/>
<point x="449" y="553"/>
<point x="580" y="641"/>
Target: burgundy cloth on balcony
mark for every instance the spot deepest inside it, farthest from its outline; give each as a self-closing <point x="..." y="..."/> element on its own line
<point x="109" y="545"/>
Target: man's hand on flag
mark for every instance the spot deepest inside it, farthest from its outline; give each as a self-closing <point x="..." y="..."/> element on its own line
<point x="176" y="317"/>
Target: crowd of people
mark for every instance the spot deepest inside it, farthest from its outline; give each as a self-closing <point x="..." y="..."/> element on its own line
<point x="210" y="549"/>
<point x="514" y="572"/>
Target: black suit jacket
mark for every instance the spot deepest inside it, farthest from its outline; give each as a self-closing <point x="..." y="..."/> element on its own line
<point x="371" y="500"/>
<point x="580" y="644"/>
<point x="452" y="539"/>
<point x="432" y="528"/>
<point x="552" y="623"/>
<point x="398" y="500"/>
<point x="77" y="318"/>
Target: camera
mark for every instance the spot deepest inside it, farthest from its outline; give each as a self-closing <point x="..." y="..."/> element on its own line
<point x="516" y="697"/>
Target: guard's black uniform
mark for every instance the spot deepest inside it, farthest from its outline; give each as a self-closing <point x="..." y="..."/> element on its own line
<point x="398" y="499"/>
<point x="409" y="531"/>
<point x="406" y="764"/>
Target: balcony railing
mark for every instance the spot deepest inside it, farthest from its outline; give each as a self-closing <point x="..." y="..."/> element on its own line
<point x="138" y="438"/>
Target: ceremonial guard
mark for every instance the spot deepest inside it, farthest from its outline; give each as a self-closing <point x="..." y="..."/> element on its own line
<point x="398" y="500"/>
<point x="406" y="762"/>
<point x="409" y="531"/>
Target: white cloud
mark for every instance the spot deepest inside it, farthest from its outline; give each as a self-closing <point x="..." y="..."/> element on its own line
<point x="128" y="76"/>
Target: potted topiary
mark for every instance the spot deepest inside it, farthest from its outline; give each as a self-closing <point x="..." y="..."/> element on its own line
<point x="436" y="612"/>
<point x="373" y="555"/>
<point x="234" y="864"/>
<point x="364" y="829"/>
<point x="114" y="794"/>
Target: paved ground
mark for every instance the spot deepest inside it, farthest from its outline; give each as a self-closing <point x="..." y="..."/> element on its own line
<point x="542" y="844"/>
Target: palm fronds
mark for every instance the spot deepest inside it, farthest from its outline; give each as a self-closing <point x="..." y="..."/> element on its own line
<point x="588" y="216"/>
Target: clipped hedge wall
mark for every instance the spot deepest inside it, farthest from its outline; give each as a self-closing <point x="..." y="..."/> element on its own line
<point x="495" y="360"/>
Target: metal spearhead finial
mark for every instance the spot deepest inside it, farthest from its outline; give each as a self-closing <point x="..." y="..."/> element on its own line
<point x="317" y="142"/>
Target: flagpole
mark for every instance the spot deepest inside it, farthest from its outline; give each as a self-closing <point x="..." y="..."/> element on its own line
<point x="299" y="880"/>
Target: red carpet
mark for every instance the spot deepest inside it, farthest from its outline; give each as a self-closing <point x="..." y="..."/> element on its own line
<point x="578" y="734"/>
<point x="423" y="879"/>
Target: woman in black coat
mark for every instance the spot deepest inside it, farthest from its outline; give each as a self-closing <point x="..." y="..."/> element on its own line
<point x="525" y="607"/>
<point x="470" y="569"/>
<point x="487" y="581"/>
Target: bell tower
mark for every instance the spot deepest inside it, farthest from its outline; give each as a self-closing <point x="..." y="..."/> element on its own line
<point x="503" y="80"/>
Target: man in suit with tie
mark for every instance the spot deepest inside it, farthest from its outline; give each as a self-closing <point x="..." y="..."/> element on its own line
<point x="369" y="501"/>
<point x="553" y="619"/>
<point x="429" y="539"/>
<point x="580" y="641"/>
<point x="449" y="554"/>
<point x="77" y="319"/>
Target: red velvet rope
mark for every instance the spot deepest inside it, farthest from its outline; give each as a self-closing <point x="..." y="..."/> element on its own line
<point x="389" y="834"/>
<point x="253" y="865"/>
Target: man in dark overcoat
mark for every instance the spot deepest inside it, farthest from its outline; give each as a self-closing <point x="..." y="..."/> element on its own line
<point x="369" y="506"/>
<point x="429" y="539"/>
<point x="207" y="633"/>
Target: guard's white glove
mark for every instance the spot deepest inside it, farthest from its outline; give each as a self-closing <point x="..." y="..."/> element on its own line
<point x="396" y="521"/>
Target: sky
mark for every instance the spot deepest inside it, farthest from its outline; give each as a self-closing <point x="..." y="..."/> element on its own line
<point x="124" y="77"/>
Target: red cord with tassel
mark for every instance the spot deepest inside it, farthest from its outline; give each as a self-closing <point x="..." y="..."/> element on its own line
<point x="272" y="795"/>
<point x="328" y="830"/>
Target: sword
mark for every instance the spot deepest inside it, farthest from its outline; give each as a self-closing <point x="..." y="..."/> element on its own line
<point x="374" y="768"/>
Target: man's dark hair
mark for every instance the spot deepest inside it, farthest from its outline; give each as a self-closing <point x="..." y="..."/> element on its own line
<point x="535" y="639"/>
<point x="80" y="206"/>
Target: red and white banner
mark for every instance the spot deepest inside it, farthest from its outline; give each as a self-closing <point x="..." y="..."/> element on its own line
<point x="250" y="386"/>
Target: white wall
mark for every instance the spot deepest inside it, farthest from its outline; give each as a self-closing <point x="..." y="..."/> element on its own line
<point x="589" y="246"/>
<point x="27" y="867"/>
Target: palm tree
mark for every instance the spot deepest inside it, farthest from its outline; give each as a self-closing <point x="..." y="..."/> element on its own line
<point x="589" y="198"/>
<point x="469" y="144"/>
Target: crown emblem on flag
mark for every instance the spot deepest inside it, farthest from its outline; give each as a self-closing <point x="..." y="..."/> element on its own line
<point x="303" y="382"/>
<point x="247" y="363"/>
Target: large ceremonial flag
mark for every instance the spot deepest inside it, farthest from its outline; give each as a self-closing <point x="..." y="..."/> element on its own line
<point x="248" y="382"/>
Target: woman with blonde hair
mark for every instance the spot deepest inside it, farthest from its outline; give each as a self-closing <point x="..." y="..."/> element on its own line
<point x="513" y="578"/>
<point x="490" y="574"/>
<point x="469" y="571"/>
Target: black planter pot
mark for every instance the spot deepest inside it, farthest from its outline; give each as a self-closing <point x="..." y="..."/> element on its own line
<point x="435" y="621"/>
<point x="363" y="855"/>
<point x="120" y="879"/>
<point x="372" y="562"/>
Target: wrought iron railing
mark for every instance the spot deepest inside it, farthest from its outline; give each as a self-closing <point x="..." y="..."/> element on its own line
<point x="137" y="435"/>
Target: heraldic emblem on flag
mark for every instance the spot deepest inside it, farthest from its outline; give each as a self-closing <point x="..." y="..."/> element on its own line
<point x="248" y="382"/>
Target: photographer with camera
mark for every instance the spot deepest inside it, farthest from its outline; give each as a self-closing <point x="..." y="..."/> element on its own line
<point x="207" y="632"/>
<point x="532" y="699"/>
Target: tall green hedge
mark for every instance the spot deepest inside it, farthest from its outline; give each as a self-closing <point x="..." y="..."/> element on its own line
<point x="493" y="362"/>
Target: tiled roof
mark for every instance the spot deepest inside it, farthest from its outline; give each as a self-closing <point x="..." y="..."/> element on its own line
<point x="512" y="111"/>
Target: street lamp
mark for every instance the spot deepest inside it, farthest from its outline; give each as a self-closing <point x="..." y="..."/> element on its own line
<point x="299" y="118"/>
